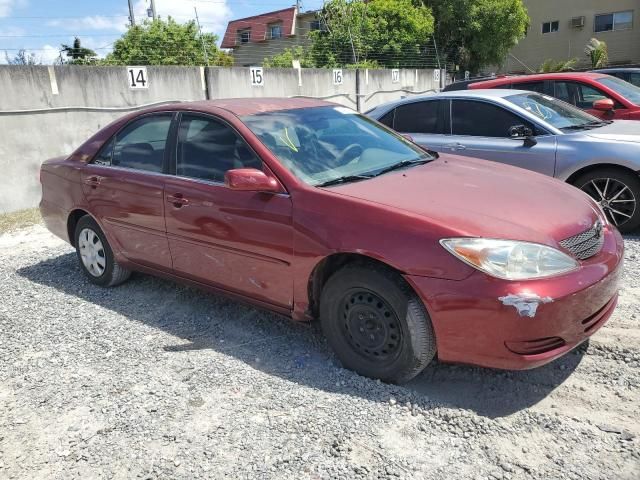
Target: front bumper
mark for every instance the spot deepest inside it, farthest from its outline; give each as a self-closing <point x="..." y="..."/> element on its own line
<point x="472" y="325"/>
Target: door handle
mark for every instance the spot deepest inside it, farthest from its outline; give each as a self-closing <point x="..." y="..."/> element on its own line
<point x="93" y="181"/>
<point x="177" y="200"/>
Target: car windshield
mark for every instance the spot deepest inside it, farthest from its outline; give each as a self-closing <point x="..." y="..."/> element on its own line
<point x="553" y="111"/>
<point x="625" y="89"/>
<point x="327" y="144"/>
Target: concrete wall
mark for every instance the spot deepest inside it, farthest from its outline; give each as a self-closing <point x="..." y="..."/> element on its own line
<point x="569" y="42"/>
<point x="49" y="111"/>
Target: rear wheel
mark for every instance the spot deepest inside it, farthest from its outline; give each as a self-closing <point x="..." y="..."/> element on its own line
<point x="95" y="255"/>
<point x="376" y="324"/>
<point x="617" y="192"/>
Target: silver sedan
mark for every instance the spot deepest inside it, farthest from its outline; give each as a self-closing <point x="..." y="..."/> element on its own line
<point x="532" y="131"/>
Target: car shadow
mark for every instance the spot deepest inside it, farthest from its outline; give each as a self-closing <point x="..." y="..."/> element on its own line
<point x="297" y="352"/>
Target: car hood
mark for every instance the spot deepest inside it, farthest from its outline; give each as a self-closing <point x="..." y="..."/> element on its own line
<point x="468" y="197"/>
<point x="618" y="131"/>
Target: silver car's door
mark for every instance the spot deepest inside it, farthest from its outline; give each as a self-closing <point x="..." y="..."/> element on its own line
<point x="481" y="130"/>
<point x="425" y="121"/>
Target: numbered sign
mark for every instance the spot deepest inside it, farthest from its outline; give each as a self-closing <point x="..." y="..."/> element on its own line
<point x="467" y="74"/>
<point x="337" y="76"/>
<point x="137" y="77"/>
<point x="395" y="75"/>
<point x="436" y="76"/>
<point x="257" y="77"/>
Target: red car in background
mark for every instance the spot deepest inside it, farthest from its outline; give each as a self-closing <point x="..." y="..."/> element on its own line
<point x="309" y="209"/>
<point x="604" y="96"/>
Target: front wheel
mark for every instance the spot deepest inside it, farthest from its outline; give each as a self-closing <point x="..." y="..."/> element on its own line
<point x="617" y="192"/>
<point x="376" y="324"/>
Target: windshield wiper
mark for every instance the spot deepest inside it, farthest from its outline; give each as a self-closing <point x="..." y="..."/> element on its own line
<point x="593" y="124"/>
<point x="403" y="164"/>
<point x="345" y="179"/>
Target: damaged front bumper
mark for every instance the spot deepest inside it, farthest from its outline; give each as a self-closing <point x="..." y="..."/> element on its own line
<point x="519" y="325"/>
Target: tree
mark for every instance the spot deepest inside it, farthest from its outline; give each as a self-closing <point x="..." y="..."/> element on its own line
<point x="550" y="65"/>
<point x="22" y="58"/>
<point x="390" y="33"/>
<point x="286" y="58"/>
<point x="597" y="52"/>
<point x="161" y="42"/>
<point x="77" y="54"/>
<point x="475" y="33"/>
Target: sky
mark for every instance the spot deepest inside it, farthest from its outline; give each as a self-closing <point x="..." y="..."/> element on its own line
<point x="41" y="26"/>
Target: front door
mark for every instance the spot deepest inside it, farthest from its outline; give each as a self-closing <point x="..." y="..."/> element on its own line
<point x="235" y="240"/>
<point x="481" y="130"/>
<point x="124" y="187"/>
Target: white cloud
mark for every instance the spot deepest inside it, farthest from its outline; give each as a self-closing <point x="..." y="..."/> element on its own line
<point x="48" y="54"/>
<point x="6" y="6"/>
<point x="95" y="22"/>
<point x="213" y="15"/>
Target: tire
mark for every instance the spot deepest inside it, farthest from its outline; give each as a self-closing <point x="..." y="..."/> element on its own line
<point x="611" y="183"/>
<point x="376" y="324"/>
<point x="95" y="255"/>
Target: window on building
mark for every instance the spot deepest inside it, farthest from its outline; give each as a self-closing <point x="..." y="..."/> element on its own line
<point x="317" y="25"/>
<point x="614" y="21"/>
<point x="275" y="30"/>
<point x="244" y="36"/>
<point x="550" y="27"/>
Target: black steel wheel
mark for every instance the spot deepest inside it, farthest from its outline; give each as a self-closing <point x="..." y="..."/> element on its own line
<point x="617" y="192"/>
<point x="376" y="324"/>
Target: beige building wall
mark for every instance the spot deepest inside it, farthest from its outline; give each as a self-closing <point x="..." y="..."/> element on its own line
<point x="254" y="53"/>
<point x="569" y="42"/>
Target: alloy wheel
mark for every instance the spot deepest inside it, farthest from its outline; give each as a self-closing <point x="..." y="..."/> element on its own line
<point x="370" y="325"/>
<point x="616" y="199"/>
<point x="92" y="252"/>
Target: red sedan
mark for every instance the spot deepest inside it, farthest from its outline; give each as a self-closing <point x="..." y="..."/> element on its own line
<point x="601" y="95"/>
<point x="311" y="210"/>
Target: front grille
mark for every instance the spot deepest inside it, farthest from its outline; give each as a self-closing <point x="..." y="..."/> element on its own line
<point x="587" y="243"/>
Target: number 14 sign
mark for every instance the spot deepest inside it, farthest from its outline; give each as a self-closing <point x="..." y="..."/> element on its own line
<point x="137" y="77"/>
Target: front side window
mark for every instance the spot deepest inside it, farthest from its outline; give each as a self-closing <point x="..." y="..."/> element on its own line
<point x="482" y="119"/>
<point x="558" y="114"/>
<point x="634" y="79"/>
<point x="322" y="144"/>
<point x="419" y="117"/>
<point x="625" y="89"/>
<point x="614" y="21"/>
<point x="578" y="94"/>
<point x="550" y="27"/>
<point x="140" y="145"/>
<point x="207" y="148"/>
<point x="275" y="30"/>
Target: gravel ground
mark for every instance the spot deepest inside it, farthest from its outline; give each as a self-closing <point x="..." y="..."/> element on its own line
<point x="155" y="380"/>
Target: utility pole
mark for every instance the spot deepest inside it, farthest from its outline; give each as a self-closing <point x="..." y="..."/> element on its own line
<point x="204" y="48"/>
<point x="132" y="18"/>
<point x="153" y="10"/>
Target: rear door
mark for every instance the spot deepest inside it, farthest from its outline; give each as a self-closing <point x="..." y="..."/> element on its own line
<point x="426" y="121"/>
<point x="124" y="188"/>
<point x="236" y="240"/>
<point x="481" y="130"/>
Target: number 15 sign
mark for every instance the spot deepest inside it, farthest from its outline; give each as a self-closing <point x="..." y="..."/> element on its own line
<point x="137" y="78"/>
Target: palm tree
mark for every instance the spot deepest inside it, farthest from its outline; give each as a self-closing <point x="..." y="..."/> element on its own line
<point x="77" y="54"/>
<point x="596" y="50"/>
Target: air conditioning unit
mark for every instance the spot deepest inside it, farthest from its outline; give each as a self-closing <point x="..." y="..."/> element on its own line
<point x="577" y="22"/>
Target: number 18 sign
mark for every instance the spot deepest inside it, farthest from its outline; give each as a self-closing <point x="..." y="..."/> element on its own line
<point x="137" y="77"/>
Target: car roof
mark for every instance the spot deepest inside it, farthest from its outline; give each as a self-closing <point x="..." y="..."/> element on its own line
<point x="250" y="106"/>
<point x="538" y="77"/>
<point x="481" y="93"/>
<point x="617" y="69"/>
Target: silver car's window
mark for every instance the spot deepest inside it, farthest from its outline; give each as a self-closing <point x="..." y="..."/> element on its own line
<point x="625" y="89"/>
<point x="554" y="112"/>
<point x="325" y="143"/>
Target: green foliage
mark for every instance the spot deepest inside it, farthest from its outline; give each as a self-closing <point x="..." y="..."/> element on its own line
<point x="389" y="33"/>
<point x="22" y="58"/>
<point x="597" y="52"/>
<point x="167" y="42"/>
<point x="79" y="55"/>
<point x="551" y="66"/>
<point x="475" y="33"/>
<point x="285" y="59"/>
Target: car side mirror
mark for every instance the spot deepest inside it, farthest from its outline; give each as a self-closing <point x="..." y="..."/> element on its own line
<point x="604" y="105"/>
<point x="522" y="132"/>
<point x="251" y="180"/>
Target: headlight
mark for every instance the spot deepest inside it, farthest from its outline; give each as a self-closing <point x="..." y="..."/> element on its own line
<point x="510" y="259"/>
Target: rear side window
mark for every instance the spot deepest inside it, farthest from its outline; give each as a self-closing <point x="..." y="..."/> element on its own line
<point x="140" y="145"/>
<point x="419" y="117"/>
<point x="481" y="119"/>
<point x="207" y="148"/>
<point x="530" y="86"/>
<point x="387" y="118"/>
